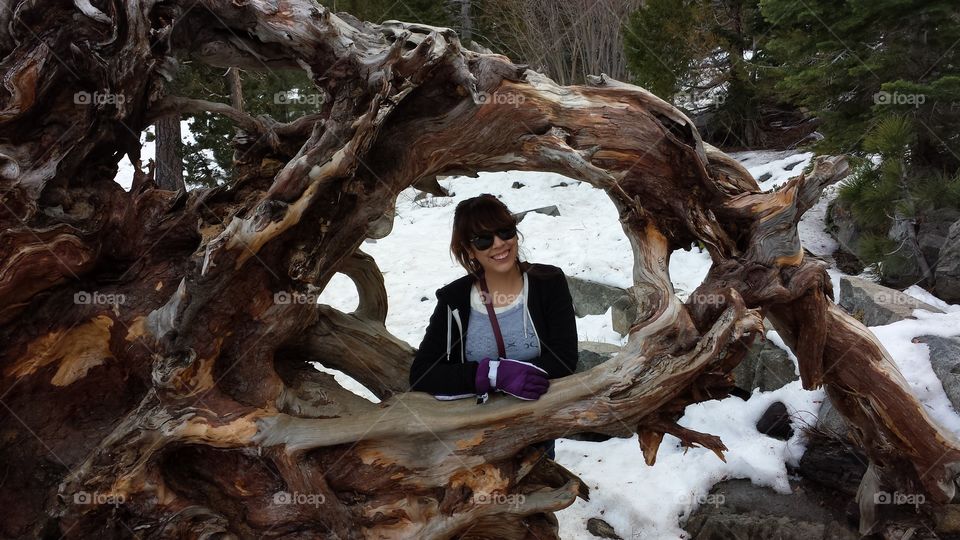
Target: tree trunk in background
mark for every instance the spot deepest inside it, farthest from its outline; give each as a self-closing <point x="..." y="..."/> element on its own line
<point x="236" y="89"/>
<point x="568" y="41"/>
<point x="169" y="172"/>
<point x="155" y="375"/>
<point x="466" y="21"/>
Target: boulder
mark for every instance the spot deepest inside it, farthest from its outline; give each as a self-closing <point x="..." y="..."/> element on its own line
<point x="738" y="510"/>
<point x="947" y="270"/>
<point x="775" y="422"/>
<point x="765" y="366"/>
<point x="933" y="231"/>
<point x="594" y="353"/>
<point x="833" y="462"/>
<point x="592" y="298"/>
<point x="623" y="314"/>
<point x="875" y="305"/>
<point x="601" y="529"/>
<point x="843" y="228"/>
<point x="831" y="422"/>
<point x="945" y="361"/>
<point x="901" y="268"/>
<point x="545" y="210"/>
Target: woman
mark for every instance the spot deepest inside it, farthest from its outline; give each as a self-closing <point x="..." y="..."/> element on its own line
<point x="460" y="355"/>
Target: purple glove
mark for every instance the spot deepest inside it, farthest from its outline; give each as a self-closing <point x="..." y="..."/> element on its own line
<point x="519" y="379"/>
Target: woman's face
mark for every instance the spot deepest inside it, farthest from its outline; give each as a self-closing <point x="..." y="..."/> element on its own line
<point x="501" y="256"/>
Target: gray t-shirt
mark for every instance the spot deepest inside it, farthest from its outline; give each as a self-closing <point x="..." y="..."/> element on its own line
<point x="520" y="339"/>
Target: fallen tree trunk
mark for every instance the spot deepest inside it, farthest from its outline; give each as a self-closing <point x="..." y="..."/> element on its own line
<point x="154" y="375"/>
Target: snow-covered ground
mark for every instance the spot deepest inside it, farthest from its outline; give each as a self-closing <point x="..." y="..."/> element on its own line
<point x="587" y="241"/>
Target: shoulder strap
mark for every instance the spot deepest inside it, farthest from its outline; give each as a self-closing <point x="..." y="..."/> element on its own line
<point x="488" y="301"/>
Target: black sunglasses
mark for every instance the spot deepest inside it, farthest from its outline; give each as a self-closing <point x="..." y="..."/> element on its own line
<point x="485" y="240"/>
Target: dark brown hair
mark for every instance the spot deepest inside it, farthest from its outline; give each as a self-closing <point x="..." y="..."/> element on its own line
<point x="475" y="215"/>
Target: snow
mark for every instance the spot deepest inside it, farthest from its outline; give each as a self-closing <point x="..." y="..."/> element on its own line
<point x="647" y="502"/>
<point x="587" y="241"/>
<point x="772" y="168"/>
<point x="148" y="151"/>
<point x="913" y="359"/>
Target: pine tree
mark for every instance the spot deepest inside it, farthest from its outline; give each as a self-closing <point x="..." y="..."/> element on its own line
<point x="856" y="61"/>
<point x="662" y="45"/>
<point x="688" y="50"/>
<point x="882" y="194"/>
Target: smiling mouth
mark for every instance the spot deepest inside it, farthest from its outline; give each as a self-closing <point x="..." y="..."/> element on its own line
<point x="501" y="256"/>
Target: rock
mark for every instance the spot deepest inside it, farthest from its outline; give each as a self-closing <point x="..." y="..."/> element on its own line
<point x="592" y="298"/>
<point x="843" y="228"/>
<point x="601" y="528"/>
<point x="775" y="422"/>
<point x="766" y="367"/>
<point x="876" y="305"/>
<point x="594" y="353"/>
<point x="947" y="270"/>
<point x="545" y="210"/>
<point x="834" y="463"/>
<point x="624" y="314"/>
<point x="831" y="422"/>
<point x="561" y="184"/>
<point x="516" y="185"/>
<point x="902" y="268"/>
<point x="945" y="361"/>
<point x="847" y="263"/>
<point x="934" y="229"/>
<point x="792" y="165"/>
<point x="738" y="510"/>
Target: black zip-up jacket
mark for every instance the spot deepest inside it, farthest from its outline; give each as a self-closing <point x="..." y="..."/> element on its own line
<point x="439" y="366"/>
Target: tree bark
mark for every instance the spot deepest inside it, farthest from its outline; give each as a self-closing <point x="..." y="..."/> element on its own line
<point x="169" y="171"/>
<point x="155" y="377"/>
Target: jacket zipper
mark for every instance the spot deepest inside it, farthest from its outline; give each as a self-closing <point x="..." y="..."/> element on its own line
<point x="456" y="315"/>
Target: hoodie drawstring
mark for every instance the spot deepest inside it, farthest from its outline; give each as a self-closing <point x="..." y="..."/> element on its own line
<point x="524" y="313"/>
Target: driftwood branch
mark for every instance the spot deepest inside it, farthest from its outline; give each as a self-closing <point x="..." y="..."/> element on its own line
<point x="161" y="333"/>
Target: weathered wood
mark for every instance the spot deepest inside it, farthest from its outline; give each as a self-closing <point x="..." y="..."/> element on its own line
<point x="156" y="345"/>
